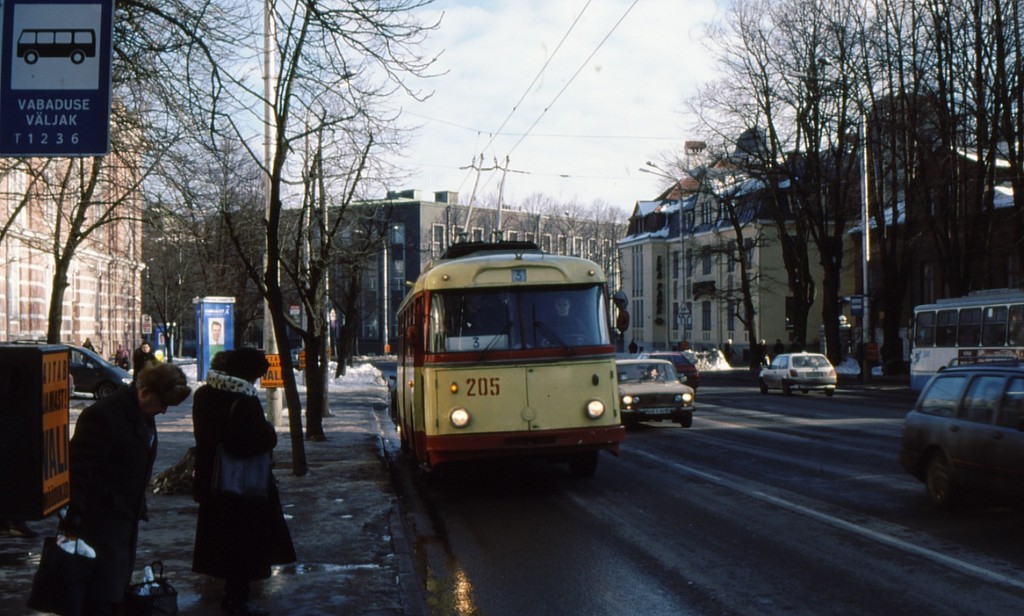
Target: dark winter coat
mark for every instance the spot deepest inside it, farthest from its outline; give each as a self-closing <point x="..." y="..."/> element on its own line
<point x="236" y="538"/>
<point x="111" y="460"/>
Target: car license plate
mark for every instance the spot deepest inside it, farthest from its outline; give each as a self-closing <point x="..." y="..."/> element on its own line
<point x="817" y="375"/>
<point x="659" y="411"/>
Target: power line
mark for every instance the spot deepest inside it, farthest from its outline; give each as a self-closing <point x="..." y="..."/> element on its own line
<point x="548" y="135"/>
<point x="573" y="78"/>
<point x="539" y="73"/>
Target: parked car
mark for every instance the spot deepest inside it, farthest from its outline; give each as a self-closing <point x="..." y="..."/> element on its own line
<point x="683" y="365"/>
<point x="650" y="390"/>
<point x="93" y="374"/>
<point x="801" y="371"/>
<point x="967" y="431"/>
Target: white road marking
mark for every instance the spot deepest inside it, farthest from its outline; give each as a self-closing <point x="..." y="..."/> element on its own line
<point x="838" y="522"/>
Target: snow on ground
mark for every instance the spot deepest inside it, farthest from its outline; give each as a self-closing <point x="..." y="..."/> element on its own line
<point x="364" y="373"/>
<point x="711" y="361"/>
<point x="361" y="374"/>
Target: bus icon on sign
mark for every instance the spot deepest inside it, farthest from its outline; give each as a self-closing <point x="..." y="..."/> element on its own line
<point x="76" y="45"/>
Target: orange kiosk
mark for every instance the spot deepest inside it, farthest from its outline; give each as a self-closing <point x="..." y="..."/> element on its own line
<point x="34" y="476"/>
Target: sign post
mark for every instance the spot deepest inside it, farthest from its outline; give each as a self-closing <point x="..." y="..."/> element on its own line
<point x="55" y="59"/>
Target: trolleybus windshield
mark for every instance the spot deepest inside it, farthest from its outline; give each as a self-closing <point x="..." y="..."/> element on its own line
<point x="522" y="318"/>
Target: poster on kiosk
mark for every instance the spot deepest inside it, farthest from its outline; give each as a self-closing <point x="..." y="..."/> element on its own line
<point x="214" y="324"/>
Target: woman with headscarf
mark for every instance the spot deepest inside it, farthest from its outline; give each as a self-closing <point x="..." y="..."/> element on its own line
<point x="237" y="538"/>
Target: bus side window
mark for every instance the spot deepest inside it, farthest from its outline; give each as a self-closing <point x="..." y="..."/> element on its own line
<point x="1015" y="332"/>
<point x="924" y="329"/>
<point x="993" y="328"/>
<point x="437" y="332"/>
<point x="945" y="330"/>
<point x="969" y="334"/>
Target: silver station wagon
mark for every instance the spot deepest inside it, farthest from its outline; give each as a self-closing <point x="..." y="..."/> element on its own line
<point x="967" y="431"/>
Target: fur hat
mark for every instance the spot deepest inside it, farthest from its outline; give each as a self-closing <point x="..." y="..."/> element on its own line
<point x="245" y="363"/>
<point x="167" y="381"/>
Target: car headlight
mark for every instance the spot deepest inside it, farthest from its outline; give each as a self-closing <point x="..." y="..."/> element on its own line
<point x="595" y="409"/>
<point x="127" y="380"/>
<point x="629" y="400"/>
<point x="459" y="417"/>
<point x="688" y="398"/>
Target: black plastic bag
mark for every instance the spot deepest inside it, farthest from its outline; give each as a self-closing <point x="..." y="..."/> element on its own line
<point x="61" y="582"/>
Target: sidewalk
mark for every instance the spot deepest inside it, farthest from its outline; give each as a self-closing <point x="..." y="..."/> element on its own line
<point x="343" y="516"/>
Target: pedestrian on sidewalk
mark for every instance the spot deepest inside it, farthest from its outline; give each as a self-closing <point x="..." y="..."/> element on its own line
<point x="237" y="538"/>
<point x="111" y="461"/>
<point x="142" y="356"/>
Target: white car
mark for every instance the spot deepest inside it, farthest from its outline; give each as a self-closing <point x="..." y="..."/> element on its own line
<point x="800" y="371"/>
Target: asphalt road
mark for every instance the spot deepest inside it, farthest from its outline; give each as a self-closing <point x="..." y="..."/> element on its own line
<point x="767" y="505"/>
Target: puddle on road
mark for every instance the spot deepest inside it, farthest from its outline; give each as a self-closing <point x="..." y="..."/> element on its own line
<point x="10" y="561"/>
<point x="312" y="568"/>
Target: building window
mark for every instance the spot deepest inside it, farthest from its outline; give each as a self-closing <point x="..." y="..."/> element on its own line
<point x="675" y="275"/>
<point x="577" y="246"/>
<point x="545" y="243"/>
<point x="437" y="243"/>
<point x="706" y="262"/>
<point x="730" y="256"/>
<point x="731" y="314"/>
<point x="563" y="245"/>
<point x="478" y="234"/>
<point x="689" y="262"/>
<point x="513" y="236"/>
<point x="705" y="316"/>
<point x="638" y="271"/>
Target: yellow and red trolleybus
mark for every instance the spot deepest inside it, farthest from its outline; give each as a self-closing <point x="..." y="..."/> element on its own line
<point x="507" y="351"/>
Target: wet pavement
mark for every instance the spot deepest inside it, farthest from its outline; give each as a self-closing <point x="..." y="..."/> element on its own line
<point x="343" y="516"/>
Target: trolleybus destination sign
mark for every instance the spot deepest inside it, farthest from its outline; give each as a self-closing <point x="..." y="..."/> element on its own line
<point x="55" y="77"/>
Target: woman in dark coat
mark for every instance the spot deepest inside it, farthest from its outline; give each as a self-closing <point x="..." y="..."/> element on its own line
<point x="111" y="460"/>
<point x="237" y="539"/>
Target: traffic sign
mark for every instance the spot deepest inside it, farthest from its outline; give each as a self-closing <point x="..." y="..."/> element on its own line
<point x="856" y="305"/>
<point x="55" y="77"/>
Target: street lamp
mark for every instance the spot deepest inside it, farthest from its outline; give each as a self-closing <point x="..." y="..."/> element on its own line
<point x="274" y="400"/>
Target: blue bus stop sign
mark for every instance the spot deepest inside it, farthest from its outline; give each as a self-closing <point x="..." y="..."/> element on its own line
<point x="55" y="77"/>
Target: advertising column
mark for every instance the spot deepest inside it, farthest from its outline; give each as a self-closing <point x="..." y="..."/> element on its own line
<point x="214" y="324"/>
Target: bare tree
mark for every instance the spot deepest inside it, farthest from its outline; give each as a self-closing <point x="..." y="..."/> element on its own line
<point x="790" y="70"/>
<point x="335" y="66"/>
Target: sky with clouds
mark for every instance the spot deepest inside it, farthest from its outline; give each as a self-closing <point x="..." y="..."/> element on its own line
<point x="595" y="106"/>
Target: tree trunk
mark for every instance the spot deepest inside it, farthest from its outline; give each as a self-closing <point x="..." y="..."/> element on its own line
<point x="316" y="395"/>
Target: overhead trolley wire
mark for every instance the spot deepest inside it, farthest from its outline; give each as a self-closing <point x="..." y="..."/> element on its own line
<point x="540" y="72"/>
<point x="573" y="78"/>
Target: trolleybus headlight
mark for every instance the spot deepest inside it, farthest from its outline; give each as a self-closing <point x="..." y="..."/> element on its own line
<point x="459" y="417"/>
<point x="595" y="409"/>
